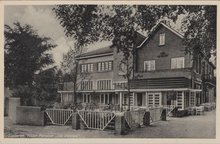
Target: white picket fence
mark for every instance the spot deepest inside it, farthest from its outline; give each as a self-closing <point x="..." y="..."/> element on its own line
<point x="98" y="120"/>
<point x="169" y="109"/>
<point x="134" y="118"/>
<point x="59" y="116"/>
<point x="155" y="114"/>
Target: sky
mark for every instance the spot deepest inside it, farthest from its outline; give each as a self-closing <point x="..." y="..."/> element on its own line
<point x="42" y="18"/>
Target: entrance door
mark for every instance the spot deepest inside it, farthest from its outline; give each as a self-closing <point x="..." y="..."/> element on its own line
<point x="154" y="100"/>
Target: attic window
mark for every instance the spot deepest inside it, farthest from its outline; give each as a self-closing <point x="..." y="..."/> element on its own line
<point x="162" y="39"/>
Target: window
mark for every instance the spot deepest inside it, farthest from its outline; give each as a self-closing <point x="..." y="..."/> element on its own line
<point x="86" y="85"/>
<point x="104" y="84"/>
<point x="105" y="66"/>
<point x="177" y="63"/>
<point x="154" y="99"/>
<point x="86" y="68"/>
<point x="106" y="98"/>
<point x="149" y="65"/>
<point x="86" y="98"/>
<point x="162" y="39"/>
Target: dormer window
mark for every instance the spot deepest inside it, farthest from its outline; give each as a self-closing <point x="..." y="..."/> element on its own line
<point x="162" y="39"/>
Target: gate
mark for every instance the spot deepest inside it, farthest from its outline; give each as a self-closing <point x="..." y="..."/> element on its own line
<point x="134" y="117"/>
<point x="155" y="114"/>
<point x="59" y="116"/>
<point x="98" y="120"/>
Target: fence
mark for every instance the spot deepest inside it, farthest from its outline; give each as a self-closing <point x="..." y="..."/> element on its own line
<point x="98" y="120"/>
<point x="168" y="108"/>
<point x="134" y="118"/>
<point x="155" y="114"/>
<point x="59" y="116"/>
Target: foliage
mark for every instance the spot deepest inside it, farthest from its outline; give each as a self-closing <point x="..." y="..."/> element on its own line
<point x="200" y="28"/>
<point x="25" y="54"/>
<point x="91" y="23"/>
<point x="24" y="92"/>
<point x="26" y="57"/>
<point x="45" y="86"/>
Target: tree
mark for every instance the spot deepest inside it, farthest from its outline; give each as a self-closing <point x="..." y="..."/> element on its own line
<point x="92" y="23"/>
<point x="26" y="53"/>
<point x="70" y="67"/>
<point x="199" y="27"/>
<point x="45" y="86"/>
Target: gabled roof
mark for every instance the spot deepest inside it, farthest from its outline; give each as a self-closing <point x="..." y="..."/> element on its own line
<point x="156" y="27"/>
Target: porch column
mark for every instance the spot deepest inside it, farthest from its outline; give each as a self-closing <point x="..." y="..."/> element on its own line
<point x="146" y="97"/>
<point x="120" y="100"/>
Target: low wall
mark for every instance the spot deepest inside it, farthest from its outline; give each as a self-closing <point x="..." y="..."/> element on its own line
<point x="28" y="115"/>
<point x="13" y="103"/>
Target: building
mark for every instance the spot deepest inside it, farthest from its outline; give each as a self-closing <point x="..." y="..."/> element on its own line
<point x="163" y="74"/>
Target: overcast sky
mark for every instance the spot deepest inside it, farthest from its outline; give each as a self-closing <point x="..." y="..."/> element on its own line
<point x="42" y="18"/>
<point x="44" y="21"/>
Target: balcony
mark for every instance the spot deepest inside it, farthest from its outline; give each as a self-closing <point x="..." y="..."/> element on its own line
<point x="168" y="73"/>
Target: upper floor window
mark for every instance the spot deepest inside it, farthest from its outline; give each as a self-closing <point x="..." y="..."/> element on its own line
<point x="86" y="85"/>
<point x="162" y="39"/>
<point x="86" y="68"/>
<point x="105" y="66"/>
<point x="177" y="63"/>
<point x="104" y="84"/>
<point x="149" y="65"/>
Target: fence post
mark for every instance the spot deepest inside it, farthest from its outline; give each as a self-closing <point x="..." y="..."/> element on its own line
<point x="75" y="121"/>
<point x="163" y="115"/>
<point x="120" y="124"/>
<point x="146" y="120"/>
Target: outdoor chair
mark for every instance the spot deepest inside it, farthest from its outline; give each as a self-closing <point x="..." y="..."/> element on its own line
<point x="190" y="111"/>
<point x="200" y="110"/>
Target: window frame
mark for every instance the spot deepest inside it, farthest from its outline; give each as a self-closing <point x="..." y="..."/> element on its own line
<point x="149" y="61"/>
<point x="104" y="66"/>
<point x="177" y="67"/>
<point x="162" y="39"/>
<point x="87" y="68"/>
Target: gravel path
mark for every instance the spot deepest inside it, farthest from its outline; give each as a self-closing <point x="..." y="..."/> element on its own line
<point x="186" y="127"/>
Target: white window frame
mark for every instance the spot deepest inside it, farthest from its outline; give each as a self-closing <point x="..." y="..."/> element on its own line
<point x="151" y="64"/>
<point x="88" y="67"/>
<point x="176" y="63"/>
<point x="105" y="66"/>
<point x="87" y="98"/>
<point x="101" y="85"/>
<point x="105" y="98"/>
<point x="89" y="84"/>
<point x="162" y="39"/>
<point x="153" y="94"/>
